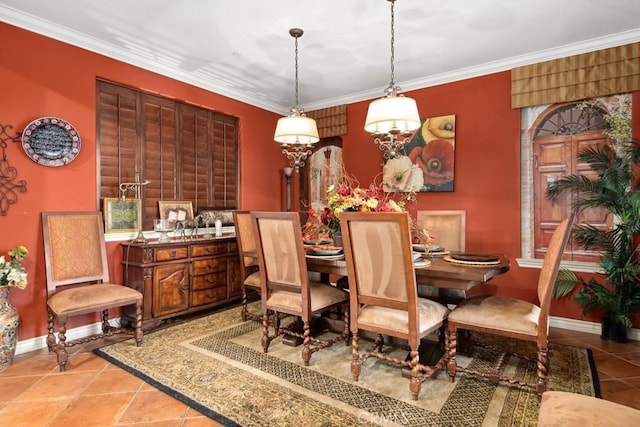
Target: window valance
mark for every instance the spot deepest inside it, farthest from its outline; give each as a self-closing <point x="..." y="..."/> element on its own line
<point x="331" y="121"/>
<point x="589" y="75"/>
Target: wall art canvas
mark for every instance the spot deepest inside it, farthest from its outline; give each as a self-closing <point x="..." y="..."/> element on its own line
<point x="121" y="215"/>
<point x="426" y="163"/>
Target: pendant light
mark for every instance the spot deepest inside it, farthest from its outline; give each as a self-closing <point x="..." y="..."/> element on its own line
<point x="392" y="119"/>
<point x="296" y="133"/>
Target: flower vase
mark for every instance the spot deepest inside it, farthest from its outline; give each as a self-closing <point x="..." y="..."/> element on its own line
<point x="337" y="238"/>
<point x="8" y="328"/>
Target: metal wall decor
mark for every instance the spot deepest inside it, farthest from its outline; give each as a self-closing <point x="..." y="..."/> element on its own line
<point x="8" y="174"/>
<point x="51" y="141"/>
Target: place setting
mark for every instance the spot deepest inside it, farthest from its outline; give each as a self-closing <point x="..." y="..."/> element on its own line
<point x="472" y="259"/>
<point x="324" y="252"/>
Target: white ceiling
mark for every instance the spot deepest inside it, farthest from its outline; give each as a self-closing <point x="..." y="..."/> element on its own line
<point x="242" y="48"/>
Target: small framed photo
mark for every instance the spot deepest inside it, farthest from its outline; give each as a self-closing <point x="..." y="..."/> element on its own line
<point x="175" y="210"/>
<point x="122" y="215"/>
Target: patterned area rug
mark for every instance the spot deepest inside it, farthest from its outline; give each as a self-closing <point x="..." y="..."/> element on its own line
<point x="216" y="365"/>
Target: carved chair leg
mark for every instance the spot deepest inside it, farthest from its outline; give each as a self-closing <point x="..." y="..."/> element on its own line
<point x="244" y="312"/>
<point x="346" y="332"/>
<point x="306" y="344"/>
<point x="105" y="321"/>
<point x="138" y="327"/>
<point x="355" y="356"/>
<point x="415" y="382"/>
<point x="51" y="338"/>
<point x="452" y="333"/>
<point x="543" y="363"/>
<point x="265" y="331"/>
<point x="61" y="351"/>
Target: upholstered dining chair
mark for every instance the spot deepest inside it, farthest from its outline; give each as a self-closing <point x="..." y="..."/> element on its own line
<point x="77" y="280"/>
<point x="249" y="275"/>
<point x="285" y="284"/>
<point x="383" y="294"/>
<point x="448" y="227"/>
<point x="512" y="318"/>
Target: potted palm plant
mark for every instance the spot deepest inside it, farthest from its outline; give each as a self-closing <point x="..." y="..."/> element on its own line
<point x="615" y="188"/>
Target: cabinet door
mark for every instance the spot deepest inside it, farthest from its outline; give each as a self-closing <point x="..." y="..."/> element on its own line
<point x="233" y="277"/>
<point x="170" y="289"/>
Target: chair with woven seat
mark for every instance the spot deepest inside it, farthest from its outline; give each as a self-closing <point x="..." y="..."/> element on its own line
<point x="77" y="280"/>
<point x="285" y="284"/>
<point x="249" y="275"/>
<point x="383" y="292"/>
<point x="512" y="318"/>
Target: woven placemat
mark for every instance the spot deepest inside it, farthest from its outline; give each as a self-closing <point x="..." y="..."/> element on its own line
<point x="470" y="263"/>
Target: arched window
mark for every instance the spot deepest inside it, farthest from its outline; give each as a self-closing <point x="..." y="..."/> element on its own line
<point x="551" y="137"/>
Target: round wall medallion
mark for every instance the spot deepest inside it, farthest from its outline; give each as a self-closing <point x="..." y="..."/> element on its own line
<point x="50" y="141"/>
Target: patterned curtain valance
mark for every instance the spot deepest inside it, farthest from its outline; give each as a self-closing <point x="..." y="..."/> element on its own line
<point x="331" y="121"/>
<point x="589" y="75"/>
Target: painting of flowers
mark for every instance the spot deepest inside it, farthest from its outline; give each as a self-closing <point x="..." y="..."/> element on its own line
<point x="426" y="163"/>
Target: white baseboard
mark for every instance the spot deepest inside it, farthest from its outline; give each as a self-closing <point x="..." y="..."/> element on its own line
<point x="584" y="326"/>
<point x="39" y="343"/>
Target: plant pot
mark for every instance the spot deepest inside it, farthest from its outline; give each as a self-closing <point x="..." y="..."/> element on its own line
<point x="613" y="331"/>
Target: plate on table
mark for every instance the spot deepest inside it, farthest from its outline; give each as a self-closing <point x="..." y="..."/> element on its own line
<point x="422" y="263"/>
<point x="475" y="257"/>
<point x="324" y="250"/>
<point x="327" y="257"/>
<point x="316" y="242"/>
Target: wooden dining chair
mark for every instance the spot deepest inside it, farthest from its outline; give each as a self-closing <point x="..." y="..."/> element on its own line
<point x="249" y="275"/>
<point x="383" y="293"/>
<point x="285" y="284"/>
<point x="512" y="318"/>
<point x="77" y="280"/>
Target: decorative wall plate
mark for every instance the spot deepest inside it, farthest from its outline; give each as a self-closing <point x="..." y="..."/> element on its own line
<point x="51" y="141"/>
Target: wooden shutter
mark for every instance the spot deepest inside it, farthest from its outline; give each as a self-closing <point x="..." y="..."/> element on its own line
<point x="186" y="152"/>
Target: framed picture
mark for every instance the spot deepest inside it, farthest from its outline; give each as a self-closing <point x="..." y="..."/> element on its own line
<point x="426" y="163"/>
<point x="175" y="210"/>
<point x="121" y="215"/>
<point x="225" y="215"/>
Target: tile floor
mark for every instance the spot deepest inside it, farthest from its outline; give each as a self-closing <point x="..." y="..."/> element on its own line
<point x="93" y="392"/>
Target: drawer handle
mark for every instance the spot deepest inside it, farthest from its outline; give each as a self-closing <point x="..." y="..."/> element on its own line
<point x="173" y="253"/>
<point x="212" y="266"/>
<point x="212" y="281"/>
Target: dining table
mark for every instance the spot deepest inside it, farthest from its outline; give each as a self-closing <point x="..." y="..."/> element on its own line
<point x="440" y="273"/>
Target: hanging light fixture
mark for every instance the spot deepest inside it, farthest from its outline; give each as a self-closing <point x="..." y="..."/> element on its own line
<point x="392" y="119"/>
<point x="296" y="133"/>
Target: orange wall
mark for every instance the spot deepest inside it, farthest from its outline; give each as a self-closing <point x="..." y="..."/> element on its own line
<point x="43" y="77"/>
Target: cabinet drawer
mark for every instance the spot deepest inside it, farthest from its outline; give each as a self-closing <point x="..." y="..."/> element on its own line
<point x="167" y="254"/>
<point x="209" y="280"/>
<point x="208" y="296"/>
<point x="210" y="249"/>
<point x="210" y="265"/>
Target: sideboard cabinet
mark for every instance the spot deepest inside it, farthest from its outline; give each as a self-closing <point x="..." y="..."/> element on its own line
<point x="181" y="276"/>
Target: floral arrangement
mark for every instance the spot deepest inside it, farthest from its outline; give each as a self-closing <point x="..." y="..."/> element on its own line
<point x="12" y="272"/>
<point x="348" y="196"/>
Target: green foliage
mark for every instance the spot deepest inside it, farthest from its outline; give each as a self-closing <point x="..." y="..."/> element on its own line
<point x="616" y="190"/>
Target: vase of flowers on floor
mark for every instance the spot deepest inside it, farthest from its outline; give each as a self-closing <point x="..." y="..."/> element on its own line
<point x="12" y="274"/>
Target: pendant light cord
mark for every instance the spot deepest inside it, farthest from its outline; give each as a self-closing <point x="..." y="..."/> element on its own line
<point x="296" y="50"/>
<point x="391" y="82"/>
